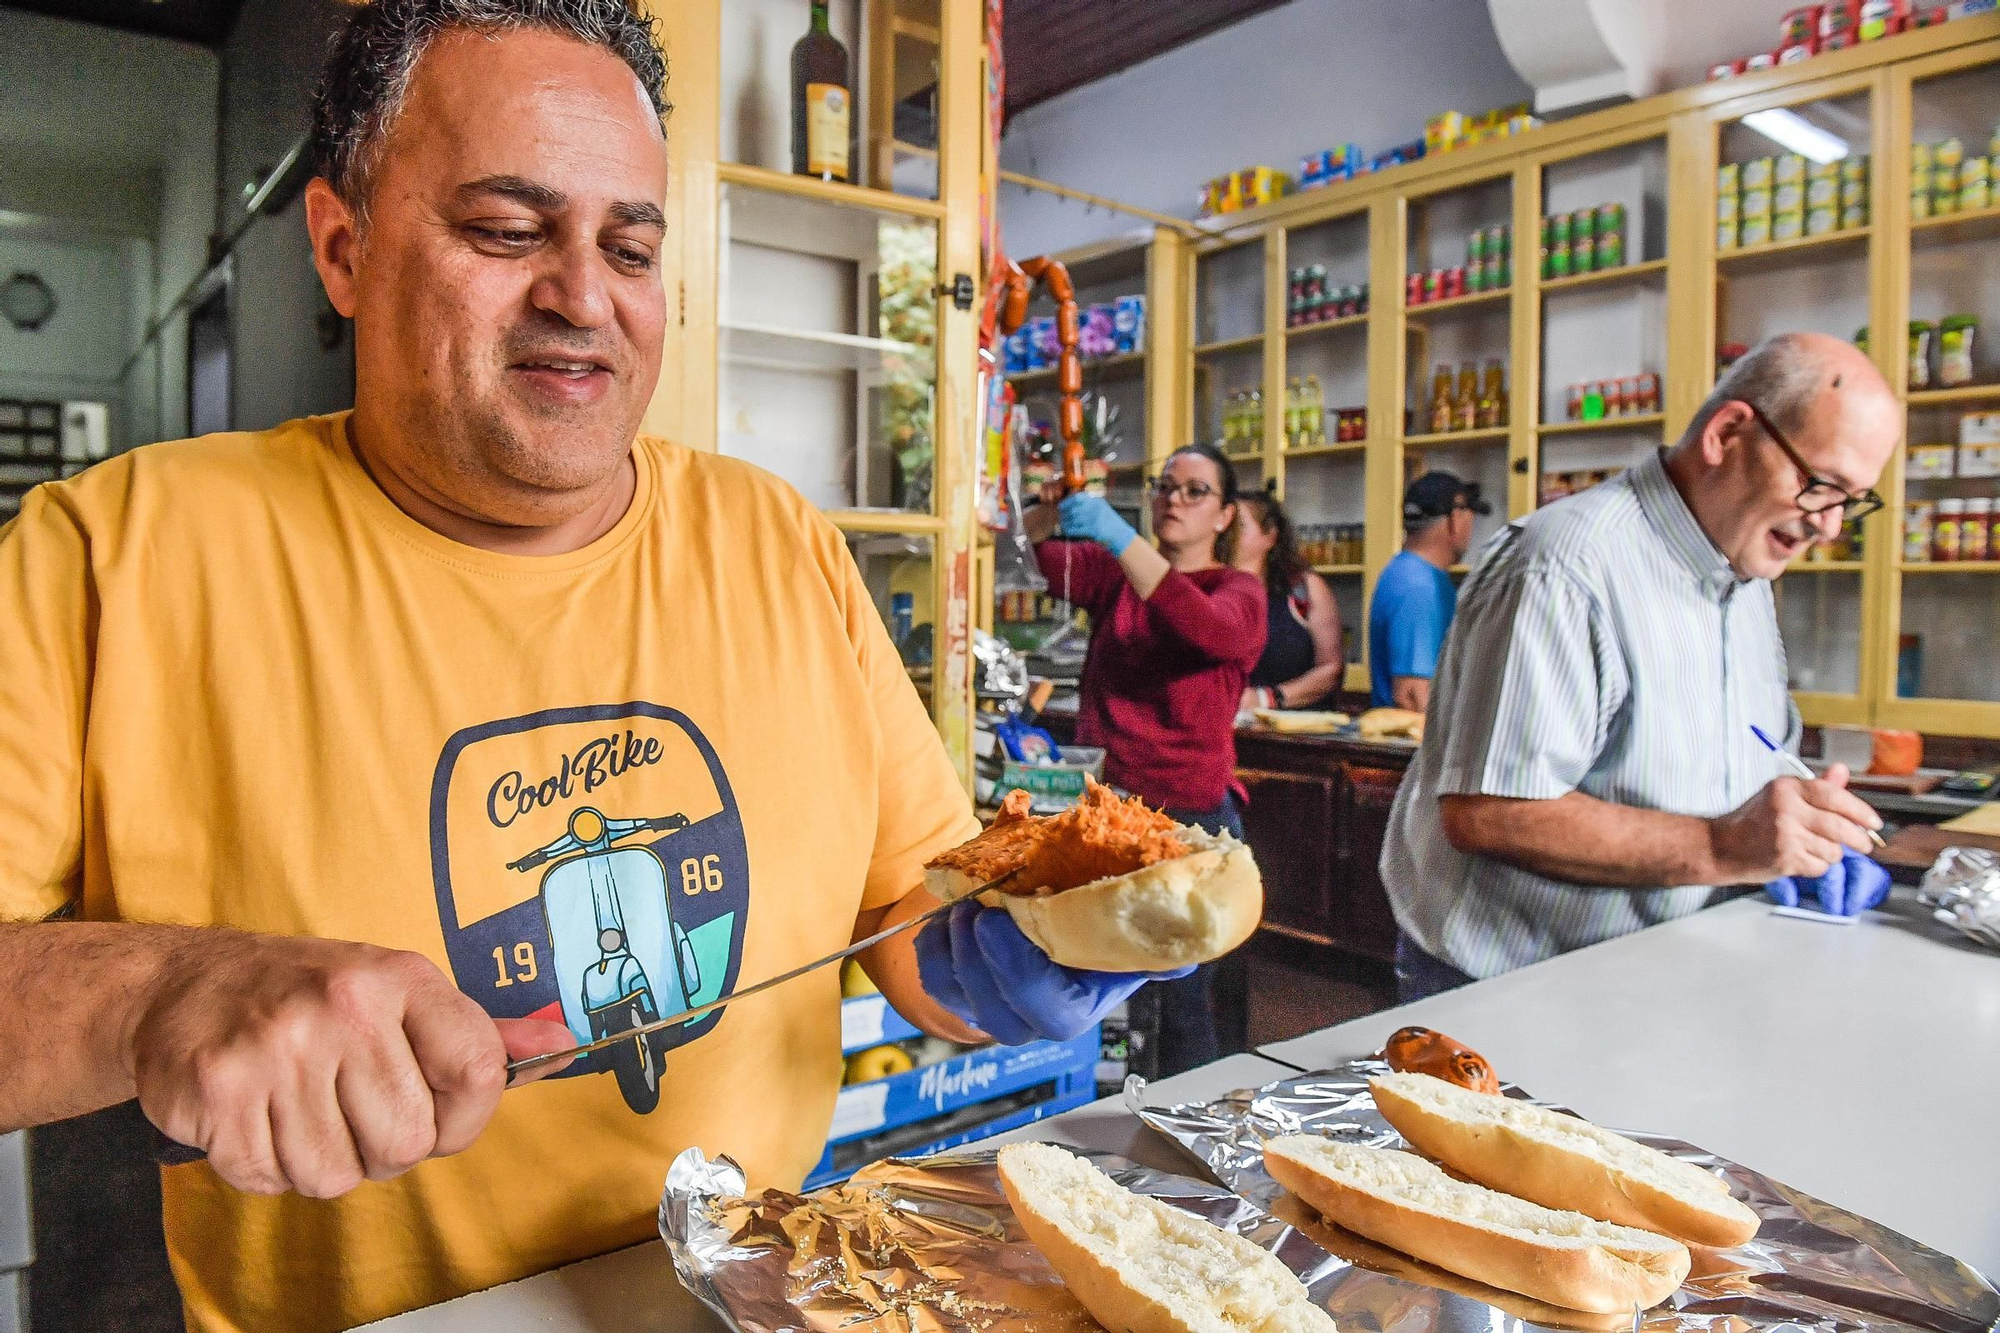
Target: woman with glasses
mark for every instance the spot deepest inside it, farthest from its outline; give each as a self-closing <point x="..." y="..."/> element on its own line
<point x="1301" y="662"/>
<point x="1174" y="631"/>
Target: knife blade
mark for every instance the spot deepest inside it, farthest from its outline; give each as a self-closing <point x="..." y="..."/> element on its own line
<point x="526" y="1063"/>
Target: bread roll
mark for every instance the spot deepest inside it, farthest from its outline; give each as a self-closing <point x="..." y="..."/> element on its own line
<point x="1143" y="1266"/>
<point x="1381" y="723"/>
<point x="1561" y="1161"/>
<point x="1407" y="1203"/>
<point x="1191" y="909"/>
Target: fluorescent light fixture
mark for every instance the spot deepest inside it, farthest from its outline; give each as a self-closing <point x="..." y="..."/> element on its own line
<point x="1794" y="133"/>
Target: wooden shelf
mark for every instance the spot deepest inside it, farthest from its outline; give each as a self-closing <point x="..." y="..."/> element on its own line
<point x="1784" y="254"/>
<point x="1339" y="569"/>
<point x="1825" y="567"/>
<point x="1950" y="228"/>
<point x="1329" y="450"/>
<point x="1221" y="346"/>
<point x="1605" y="276"/>
<point x="1643" y="421"/>
<point x="1123" y="366"/>
<point x="1114" y="469"/>
<point x="1249" y="456"/>
<point x="1445" y="439"/>
<point x="1470" y="300"/>
<point x="828" y="192"/>
<point x="1958" y="393"/>
<point x="1950" y="566"/>
<point x="809" y="349"/>
<point x="1328" y="326"/>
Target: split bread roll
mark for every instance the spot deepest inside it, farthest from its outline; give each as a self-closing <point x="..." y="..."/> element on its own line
<point x="1143" y="1266"/>
<point x="1561" y="1161"/>
<point x="1199" y="899"/>
<point x="1400" y="1200"/>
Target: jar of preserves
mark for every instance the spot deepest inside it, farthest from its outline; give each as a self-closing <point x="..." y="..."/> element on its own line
<point x="1918" y="516"/>
<point x="1945" y="529"/>
<point x="1973" y="533"/>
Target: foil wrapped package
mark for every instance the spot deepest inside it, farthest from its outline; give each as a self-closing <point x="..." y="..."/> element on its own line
<point x="921" y="1246"/>
<point x="1962" y="889"/>
<point x="1812" y="1268"/>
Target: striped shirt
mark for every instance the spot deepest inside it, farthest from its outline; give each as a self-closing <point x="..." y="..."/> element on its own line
<point x="1602" y="645"/>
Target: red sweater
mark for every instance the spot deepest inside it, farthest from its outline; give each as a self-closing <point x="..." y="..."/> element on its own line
<point x="1164" y="674"/>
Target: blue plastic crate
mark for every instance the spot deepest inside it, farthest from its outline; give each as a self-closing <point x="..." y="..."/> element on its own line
<point x="870" y="1020"/>
<point x="943" y="1095"/>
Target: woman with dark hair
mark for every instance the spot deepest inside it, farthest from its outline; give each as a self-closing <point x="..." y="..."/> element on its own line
<point x="1174" y="631"/>
<point x="1301" y="663"/>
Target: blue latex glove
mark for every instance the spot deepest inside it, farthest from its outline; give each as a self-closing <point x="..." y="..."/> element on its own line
<point x="975" y="961"/>
<point x="1850" y="886"/>
<point x="1091" y="518"/>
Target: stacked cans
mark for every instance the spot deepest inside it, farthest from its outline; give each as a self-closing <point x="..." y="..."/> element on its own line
<point x="1584" y="241"/>
<point x="1945" y="179"/>
<point x="1488" y="267"/>
<point x="1311" y="299"/>
<point x="1109" y="328"/>
<point x="1594" y="400"/>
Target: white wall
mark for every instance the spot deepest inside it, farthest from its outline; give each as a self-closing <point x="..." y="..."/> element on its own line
<point x="1267" y="90"/>
<point x="99" y="279"/>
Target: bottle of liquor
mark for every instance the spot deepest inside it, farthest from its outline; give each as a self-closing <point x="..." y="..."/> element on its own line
<point x="822" y="102"/>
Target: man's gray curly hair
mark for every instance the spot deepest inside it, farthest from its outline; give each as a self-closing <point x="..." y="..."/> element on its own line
<point x="372" y="58"/>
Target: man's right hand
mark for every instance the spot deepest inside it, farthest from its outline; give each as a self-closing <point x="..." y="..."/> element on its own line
<point x="312" y="1065"/>
<point x="1791" y="827"/>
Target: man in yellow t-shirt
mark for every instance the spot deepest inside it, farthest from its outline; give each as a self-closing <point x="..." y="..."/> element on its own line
<point x="372" y="750"/>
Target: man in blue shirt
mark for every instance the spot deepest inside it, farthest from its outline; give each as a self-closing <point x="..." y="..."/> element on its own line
<point x="1415" y="597"/>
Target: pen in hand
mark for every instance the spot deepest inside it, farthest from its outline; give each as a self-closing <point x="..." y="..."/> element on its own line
<point x="1797" y="767"/>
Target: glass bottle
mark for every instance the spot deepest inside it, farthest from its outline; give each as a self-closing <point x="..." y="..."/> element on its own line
<point x="1315" y="423"/>
<point x="1465" y="404"/>
<point x="822" y="102"/>
<point x="1441" y="399"/>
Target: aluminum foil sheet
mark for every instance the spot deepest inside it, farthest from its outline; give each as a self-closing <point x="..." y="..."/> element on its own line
<point x="927" y="1245"/>
<point x="1963" y="890"/>
<point x="1813" y="1268"/>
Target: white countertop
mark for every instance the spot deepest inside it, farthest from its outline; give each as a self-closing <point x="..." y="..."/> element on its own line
<point x="1857" y="1063"/>
<point x="635" y="1290"/>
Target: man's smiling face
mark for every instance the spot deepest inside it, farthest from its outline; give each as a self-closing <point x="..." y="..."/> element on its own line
<point x="505" y="281"/>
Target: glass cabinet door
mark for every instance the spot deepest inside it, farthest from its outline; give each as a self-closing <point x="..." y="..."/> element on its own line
<point x="1326" y="430"/>
<point x="827" y="353"/>
<point x="1946" y="640"/>
<point x="1794" y="213"/>
<point x="880" y="131"/>
<point x="1228" y="379"/>
<point x="1457" y="301"/>
<point x="1602" y="281"/>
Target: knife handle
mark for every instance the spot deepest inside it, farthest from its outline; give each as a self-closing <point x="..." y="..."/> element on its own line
<point x="172" y="1152"/>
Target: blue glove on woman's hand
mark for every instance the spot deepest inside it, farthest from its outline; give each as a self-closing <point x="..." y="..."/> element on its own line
<point x="1091" y="518"/>
<point x="1850" y="886"/>
<point x="975" y="961"/>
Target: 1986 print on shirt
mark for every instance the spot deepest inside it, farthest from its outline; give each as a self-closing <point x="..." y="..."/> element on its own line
<point x="590" y="869"/>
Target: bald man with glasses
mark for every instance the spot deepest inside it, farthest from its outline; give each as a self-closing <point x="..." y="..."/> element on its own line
<point x="1589" y="767"/>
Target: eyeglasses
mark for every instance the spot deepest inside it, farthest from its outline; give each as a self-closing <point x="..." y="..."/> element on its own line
<point x="1192" y="492"/>
<point x="1818" y="495"/>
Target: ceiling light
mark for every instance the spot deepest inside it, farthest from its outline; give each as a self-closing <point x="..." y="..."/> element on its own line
<point x="1794" y="133"/>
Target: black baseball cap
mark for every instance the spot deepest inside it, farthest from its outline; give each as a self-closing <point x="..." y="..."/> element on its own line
<point x="1436" y="494"/>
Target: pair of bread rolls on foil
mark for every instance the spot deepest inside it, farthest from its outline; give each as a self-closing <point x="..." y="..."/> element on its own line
<point x="1536" y="1202"/>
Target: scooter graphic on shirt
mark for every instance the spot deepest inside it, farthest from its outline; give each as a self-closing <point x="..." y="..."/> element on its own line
<point x="616" y="944"/>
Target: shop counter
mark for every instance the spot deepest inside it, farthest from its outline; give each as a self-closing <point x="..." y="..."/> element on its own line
<point x="1855" y="1063"/>
<point x="1318" y="809"/>
<point x="635" y="1290"/>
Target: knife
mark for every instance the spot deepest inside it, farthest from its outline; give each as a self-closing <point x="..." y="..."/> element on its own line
<point x="171" y="1152"/>
<point x="526" y="1063"/>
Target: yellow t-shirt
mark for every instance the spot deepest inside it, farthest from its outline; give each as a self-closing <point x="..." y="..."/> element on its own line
<point x="242" y="687"/>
